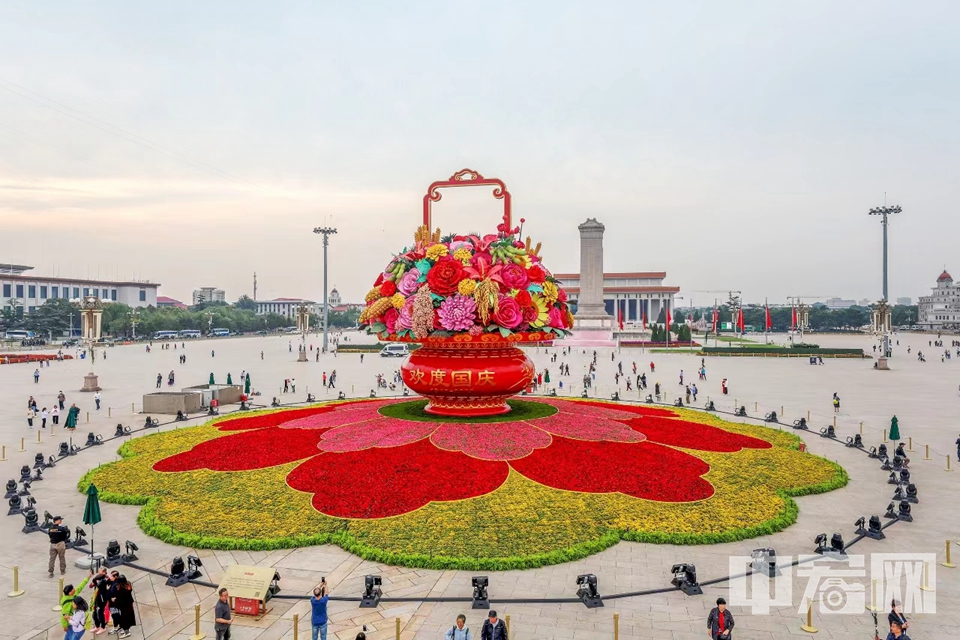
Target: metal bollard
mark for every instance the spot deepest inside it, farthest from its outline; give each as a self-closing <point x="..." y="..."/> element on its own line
<point x="948" y="464"/>
<point x="17" y="591"/>
<point x="196" y="628"/>
<point x="861" y="427"/>
<point x="296" y="626"/>
<point x="88" y="416"/>
<point x="910" y="444"/>
<point x="873" y="597"/>
<point x="616" y="625"/>
<point x="133" y="408"/>
<point x="756" y="407"/>
<point x="38" y="437"/>
<point x="22" y="443"/>
<point x="507" y="620"/>
<point x="928" y="452"/>
<point x="398" y="629"/>
<point x="926" y="586"/>
<point x="948" y="564"/>
<point x="885" y="435"/>
<point x="834" y="423"/>
<point x="3" y="457"/>
<point x="109" y="412"/>
<point x="57" y="606"/>
<point x="808" y="415"/>
<point x="809" y="628"/>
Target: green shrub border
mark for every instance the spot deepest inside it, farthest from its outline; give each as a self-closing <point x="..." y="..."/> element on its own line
<point x="147" y="520"/>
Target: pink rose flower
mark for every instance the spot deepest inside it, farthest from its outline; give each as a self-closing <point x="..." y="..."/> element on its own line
<point x="556" y="318"/>
<point x="405" y="317"/>
<point x="460" y="244"/>
<point x="457" y="313"/>
<point x="514" y="276"/>
<point x="508" y="315"/>
<point x="408" y="282"/>
<point x="390" y="319"/>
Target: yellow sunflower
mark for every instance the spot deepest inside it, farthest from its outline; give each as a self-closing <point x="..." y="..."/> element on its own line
<point x="543" y="311"/>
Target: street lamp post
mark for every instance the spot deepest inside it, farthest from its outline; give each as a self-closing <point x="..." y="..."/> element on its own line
<point x="133" y="323"/>
<point x="884" y="212"/>
<point x="326" y="232"/>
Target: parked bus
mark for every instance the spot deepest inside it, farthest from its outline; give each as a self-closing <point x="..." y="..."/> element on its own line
<point x="219" y="333"/>
<point x="165" y="335"/>
<point x="19" y="335"/>
<point x="190" y="333"/>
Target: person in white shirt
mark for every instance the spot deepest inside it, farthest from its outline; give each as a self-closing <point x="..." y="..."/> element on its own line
<point x="96" y="398"/>
<point x="44" y="414"/>
<point x="55" y="414"/>
<point x="78" y="619"/>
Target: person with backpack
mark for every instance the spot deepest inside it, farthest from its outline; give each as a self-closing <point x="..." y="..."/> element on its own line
<point x="459" y="631"/>
<point x="493" y="628"/>
<point x="79" y="620"/>
<point x="66" y="603"/>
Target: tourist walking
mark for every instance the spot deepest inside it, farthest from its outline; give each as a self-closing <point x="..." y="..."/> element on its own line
<point x="293" y="385"/>
<point x="72" y="415"/>
<point x="55" y="415"/>
<point x="123" y="604"/>
<point x="318" y="606"/>
<point x="58" y="546"/>
<point x="459" y="631"/>
<point x="723" y="386"/>
<point x="652" y="368"/>
<point x="332" y="382"/>
<point x="36" y="376"/>
<point x="222" y="618"/>
<point x="96" y="399"/>
<point x="693" y="390"/>
<point x="836" y="403"/>
<point x="681" y="377"/>
<point x="44" y="414"/>
<point x="159" y="380"/>
<point x="61" y="399"/>
<point x="493" y="628"/>
<point x="720" y="621"/>
<point x="31" y="414"/>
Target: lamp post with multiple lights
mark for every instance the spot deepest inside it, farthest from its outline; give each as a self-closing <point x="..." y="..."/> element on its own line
<point x="326" y="232"/>
<point x="884" y="212"/>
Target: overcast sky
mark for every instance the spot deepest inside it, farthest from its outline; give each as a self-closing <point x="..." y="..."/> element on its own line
<point x="731" y="144"/>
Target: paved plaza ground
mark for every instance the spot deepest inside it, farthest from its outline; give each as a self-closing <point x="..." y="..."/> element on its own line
<point x="924" y="396"/>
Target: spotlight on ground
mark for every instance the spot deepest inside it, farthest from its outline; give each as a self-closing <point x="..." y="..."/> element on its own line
<point x="341" y="396"/>
<point x="904" y="512"/>
<point x="114" y="558"/>
<point x="11" y="489"/>
<point x="38" y="462"/>
<point x="800" y="423"/>
<point x="685" y="578"/>
<point x="80" y="538"/>
<point x="874" y="529"/>
<point x="274" y="587"/>
<point x="193" y="567"/>
<point x="710" y="406"/>
<point x="24" y="472"/>
<point x="588" y="592"/>
<point x="764" y="561"/>
<point x="771" y="417"/>
<point x="855" y="441"/>
<point x="891" y="511"/>
<point x="583" y="394"/>
<point x="131" y="551"/>
<point x="912" y="493"/>
<point x="371" y="592"/>
<point x="821" y="542"/>
<point x="178" y="575"/>
<point x="828" y="432"/>
<point x="14" y="504"/>
<point x="615" y="396"/>
<point x="31" y="521"/>
<point x="93" y="440"/>
<point x="480" y="598"/>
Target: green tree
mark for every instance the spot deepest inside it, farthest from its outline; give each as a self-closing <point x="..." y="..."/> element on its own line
<point x="245" y="302"/>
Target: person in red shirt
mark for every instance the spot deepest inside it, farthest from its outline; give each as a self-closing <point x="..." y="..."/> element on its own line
<point x="720" y="621"/>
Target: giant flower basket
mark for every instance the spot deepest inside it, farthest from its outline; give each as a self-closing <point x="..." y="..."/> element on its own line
<point x="469" y="300"/>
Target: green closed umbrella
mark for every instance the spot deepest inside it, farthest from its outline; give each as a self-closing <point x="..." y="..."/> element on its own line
<point x="212" y="381"/>
<point x="91" y="513"/>
<point x="229" y="379"/>
<point x="246" y="385"/>
<point x="894" y="429"/>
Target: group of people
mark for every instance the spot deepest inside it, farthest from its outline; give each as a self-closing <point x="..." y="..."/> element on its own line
<point x="112" y="601"/>
<point x="53" y="414"/>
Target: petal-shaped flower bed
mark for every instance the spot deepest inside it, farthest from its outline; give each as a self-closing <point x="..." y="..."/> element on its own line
<point x="552" y="481"/>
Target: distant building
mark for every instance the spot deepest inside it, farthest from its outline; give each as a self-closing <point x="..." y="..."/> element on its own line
<point x="209" y="294"/>
<point x="164" y="301"/>
<point x="30" y="292"/>
<point x="334" y="297"/>
<point x="635" y="293"/>
<point x="941" y="309"/>
<point x="286" y="306"/>
<point x="905" y="302"/>
<point x="839" y="303"/>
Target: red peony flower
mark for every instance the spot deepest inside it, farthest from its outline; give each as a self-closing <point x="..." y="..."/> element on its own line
<point x="523" y="298"/>
<point x="379" y="280"/>
<point x="508" y="315"/>
<point x="387" y="289"/>
<point x="445" y="275"/>
<point x="561" y="295"/>
<point x="636" y="451"/>
<point x="536" y="274"/>
<point x="514" y="276"/>
<point x="390" y="319"/>
<point x="530" y="314"/>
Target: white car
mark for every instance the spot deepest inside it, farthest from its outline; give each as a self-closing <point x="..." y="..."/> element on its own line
<point x="394" y="350"/>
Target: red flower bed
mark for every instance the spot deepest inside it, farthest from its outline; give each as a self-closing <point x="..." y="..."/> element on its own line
<point x="358" y="463"/>
<point x="19" y="358"/>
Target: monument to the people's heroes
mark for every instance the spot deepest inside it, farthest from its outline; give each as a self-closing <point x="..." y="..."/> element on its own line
<point x="592" y="326"/>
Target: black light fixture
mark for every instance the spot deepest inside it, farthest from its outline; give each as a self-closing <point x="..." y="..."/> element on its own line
<point x="891" y="511"/>
<point x="583" y="394"/>
<point x="821" y="542"/>
<point x="882" y="451"/>
<point x="836" y="544"/>
<point x="874" y="528"/>
<point x="903" y="512"/>
<point x="764" y="561"/>
<point x="122" y="431"/>
<point x="741" y="412"/>
<point x="310" y="398"/>
<point x="893" y="478"/>
<point x="860" y="524"/>
<point x="38" y="462"/>
<point x="685" y="579"/>
<point x="552" y="394"/>
<point x="153" y="422"/>
<point x="341" y="396"/>
<point x="911" y="494"/>
<point x="79" y="538"/>
<point x="24" y="487"/>
<point x="93" y="440"/>
<point x="649" y="399"/>
<point x="373" y="393"/>
<point x="588" y="591"/>
<point x="193" y="567"/>
<point x="771" y="417"/>
<point x="897" y="462"/>
<point x="11" y="489"/>
<point x="74" y="449"/>
<point x="47" y="520"/>
<point x="615" y="396"/>
<point x="274" y="587"/>
<point x="14" y="503"/>
<point x="37" y="474"/>
<point x="178" y="574"/>
<point x="51" y="462"/>
<point x="25" y="472"/>
<point x="480" y="598"/>
<point x="679" y="402"/>
<point x="406" y="392"/>
<point x="371" y="592"/>
<point x="904" y="476"/>
<point x="30" y="524"/>
<point x="131" y="551"/>
<point x="64" y="450"/>
<point x="114" y="557"/>
<point x="800" y="424"/>
<point x="710" y="406"/>
<point x="855" y="441"/>
<point x="828" y="432"/>
<point x="873" y="452"/>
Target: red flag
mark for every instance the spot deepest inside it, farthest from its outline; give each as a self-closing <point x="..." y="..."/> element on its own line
<point x="620" y="316"/>
<point x="669" y="322"/>
<point x="793" y="319"/>
<point x="644" y="309"/>
<point x="716" y="316"/>
<point x="769" y="324"/>
<point x="740" y="319"/>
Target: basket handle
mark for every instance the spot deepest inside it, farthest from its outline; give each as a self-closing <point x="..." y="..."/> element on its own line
<point x="466" y="178"/>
